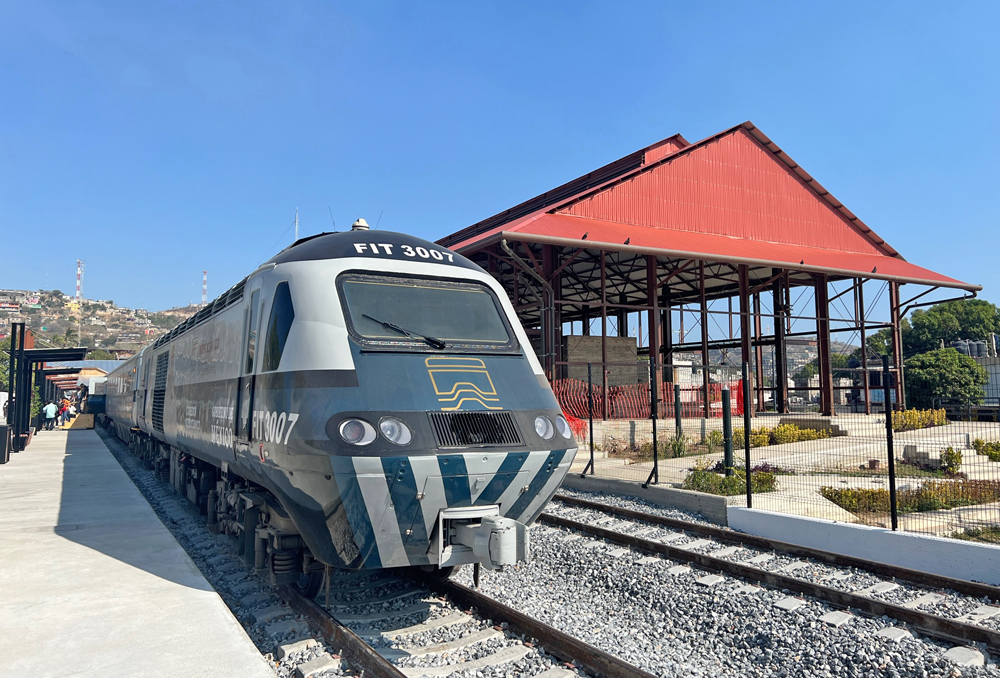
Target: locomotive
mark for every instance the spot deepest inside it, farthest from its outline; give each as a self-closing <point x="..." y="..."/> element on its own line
<point x="362" y="400"/>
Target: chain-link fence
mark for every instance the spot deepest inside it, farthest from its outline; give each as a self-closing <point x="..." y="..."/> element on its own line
<point x="933" y="470"/>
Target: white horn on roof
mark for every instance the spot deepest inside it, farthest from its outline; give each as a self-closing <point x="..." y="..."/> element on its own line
<point x="359" y="225"/>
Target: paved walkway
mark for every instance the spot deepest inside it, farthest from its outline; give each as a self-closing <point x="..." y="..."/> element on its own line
<point x="93" y="584"/>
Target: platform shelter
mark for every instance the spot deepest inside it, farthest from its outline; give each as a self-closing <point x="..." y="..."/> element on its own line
<point x="702" y="255"/>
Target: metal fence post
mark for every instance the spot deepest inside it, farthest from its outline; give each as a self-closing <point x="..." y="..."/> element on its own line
<point x="677" y="408"/>
<point x="590" y="412"/>
<point x="654" y="475"/>
<point x="887" y="393"/>
<point x="746" y="429"/>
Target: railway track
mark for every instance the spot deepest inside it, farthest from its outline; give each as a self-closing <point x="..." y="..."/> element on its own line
<point x="383" y="646"/>
<point x="717" y="550"/>
<point x="383" y="624"/>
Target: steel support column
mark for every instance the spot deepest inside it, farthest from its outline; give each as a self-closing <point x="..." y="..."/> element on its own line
<point x="744" y="273"/>
<point x="861" y="313"/>
<point x="604" y="338"/>
<point x="550" y="264"/>
<point x="780" y="361"/>
<point x="897" y="343"/>
<point x="758" y="352"/>
<point x="667" y="329"/>
<point x="706" y="377"/>
<point x="655" y="338"/>
<point x="822" y="298"/>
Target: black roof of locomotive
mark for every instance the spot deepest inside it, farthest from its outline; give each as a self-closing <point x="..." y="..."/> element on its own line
<point x="341" y="245"/>
<point x="315" y="248"/>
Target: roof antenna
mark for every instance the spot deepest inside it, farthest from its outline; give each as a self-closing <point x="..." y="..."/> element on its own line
<point x="296" y="225"/>
<point x="332" y="219"/>
<point x="379" y="219"/>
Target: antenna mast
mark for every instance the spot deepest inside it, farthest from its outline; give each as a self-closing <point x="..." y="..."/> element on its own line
<point x="296" y="224"/>
<point x="79" y="280"/>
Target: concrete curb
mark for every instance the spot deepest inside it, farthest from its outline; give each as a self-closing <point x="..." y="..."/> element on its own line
<point x="967" y="560"/>
<point x="708" y="506"/>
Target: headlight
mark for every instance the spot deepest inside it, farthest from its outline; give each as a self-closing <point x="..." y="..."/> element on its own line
<point x="563" y="426"/>
<point x="395" y="430"/>
<point x="357" y="431"/>
<point x="543" y="426"/>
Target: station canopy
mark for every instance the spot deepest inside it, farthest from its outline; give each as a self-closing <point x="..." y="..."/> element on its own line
<point x="733" y="198"/>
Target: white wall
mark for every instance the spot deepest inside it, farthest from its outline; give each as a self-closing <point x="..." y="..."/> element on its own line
<point x="948" y="557"/>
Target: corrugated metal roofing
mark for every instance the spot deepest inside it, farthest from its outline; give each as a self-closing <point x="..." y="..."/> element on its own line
<point x="608" y="235"/>
<point x="734" y="197"/>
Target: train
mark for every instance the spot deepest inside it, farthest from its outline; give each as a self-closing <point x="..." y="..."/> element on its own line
<point x="363" y="400"/>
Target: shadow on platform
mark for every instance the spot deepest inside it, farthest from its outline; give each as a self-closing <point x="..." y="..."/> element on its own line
<point x="102" y="509"/>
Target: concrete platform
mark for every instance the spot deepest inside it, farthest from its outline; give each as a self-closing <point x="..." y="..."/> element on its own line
<point x="93" y="584"/>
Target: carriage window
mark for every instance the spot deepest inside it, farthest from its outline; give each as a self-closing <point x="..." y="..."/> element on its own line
<point x="252" y="330"/>
<point x="278" y="326"/>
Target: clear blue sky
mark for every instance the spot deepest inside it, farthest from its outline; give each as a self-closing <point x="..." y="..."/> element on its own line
<point x="155" y="140"/>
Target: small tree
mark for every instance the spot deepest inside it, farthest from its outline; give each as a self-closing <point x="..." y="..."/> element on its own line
<point x="962" y="319"/>
<point x="944" y="374"/>
<point x="98" y="354"/>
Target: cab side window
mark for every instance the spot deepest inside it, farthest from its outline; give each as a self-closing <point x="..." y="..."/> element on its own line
<point x="278" y="327"/>
<point x="252" y="330"/>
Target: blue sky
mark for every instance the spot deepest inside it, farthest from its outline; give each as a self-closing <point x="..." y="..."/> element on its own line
<point x="155" y="140"/>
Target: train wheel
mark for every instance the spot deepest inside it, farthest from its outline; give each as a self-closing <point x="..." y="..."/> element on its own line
<point x="439" y="572"/>
<point x="309" y="584"/>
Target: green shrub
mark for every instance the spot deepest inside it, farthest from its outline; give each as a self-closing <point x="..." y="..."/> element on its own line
<point x="779" y="435"/>
<point x="701" y="479"/>
<point x="785" y="433"/>
<point x="911" y="420"/>
<point x="677" y="445"/>
<point x="991" y="450"/>
<point x="990" y="534"/>
<point x="931" y="496"/>
<point x="714" y="441"/>
<point x="951" y="460"/>
<point x="858" y="500"/>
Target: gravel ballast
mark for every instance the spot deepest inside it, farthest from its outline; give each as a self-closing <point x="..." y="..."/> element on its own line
<point x="631" y="605"/>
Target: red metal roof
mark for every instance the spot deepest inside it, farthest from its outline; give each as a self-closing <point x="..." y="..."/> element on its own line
<point x="609" y="235"/>
<point x="733" y="197"/>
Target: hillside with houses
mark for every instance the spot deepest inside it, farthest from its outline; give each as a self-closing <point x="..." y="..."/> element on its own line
<point x="110" y="331"/>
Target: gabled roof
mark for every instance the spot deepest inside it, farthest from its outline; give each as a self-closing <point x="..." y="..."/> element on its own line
<point x="734" y="197"/>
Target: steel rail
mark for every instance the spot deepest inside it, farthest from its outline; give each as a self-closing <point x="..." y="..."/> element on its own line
<point x="969" y="588"/>
<point x="594" y="661"/>
<point x="351" y="646"/>
<point x="929" y="624"/>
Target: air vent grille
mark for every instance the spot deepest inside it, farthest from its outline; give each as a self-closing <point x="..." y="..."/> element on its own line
<point x="470" y="429"/>
<point x="160" y="389"/>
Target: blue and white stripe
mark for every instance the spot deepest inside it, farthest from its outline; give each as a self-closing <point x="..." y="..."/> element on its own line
<point x="392" y="526"/>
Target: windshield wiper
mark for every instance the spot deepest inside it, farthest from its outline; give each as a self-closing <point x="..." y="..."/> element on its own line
<point x="436" y="343"/>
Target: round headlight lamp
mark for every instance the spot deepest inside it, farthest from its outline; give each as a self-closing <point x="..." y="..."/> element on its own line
<point x="395" y="431"/>
<point x="543" y="426"/>
<point x="563" y="427"/>
<point x="357" y="431"/>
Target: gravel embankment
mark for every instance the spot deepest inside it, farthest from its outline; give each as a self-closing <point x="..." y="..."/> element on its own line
<point x="633" y="606"/>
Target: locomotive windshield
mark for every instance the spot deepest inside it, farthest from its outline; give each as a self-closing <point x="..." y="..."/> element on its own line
<point x="423" y="314"/>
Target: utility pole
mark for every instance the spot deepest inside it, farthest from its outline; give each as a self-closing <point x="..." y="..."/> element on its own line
<point x="79" y="302"/>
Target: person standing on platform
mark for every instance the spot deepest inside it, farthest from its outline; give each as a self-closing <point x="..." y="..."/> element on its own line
<point x="50" y="410"/>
